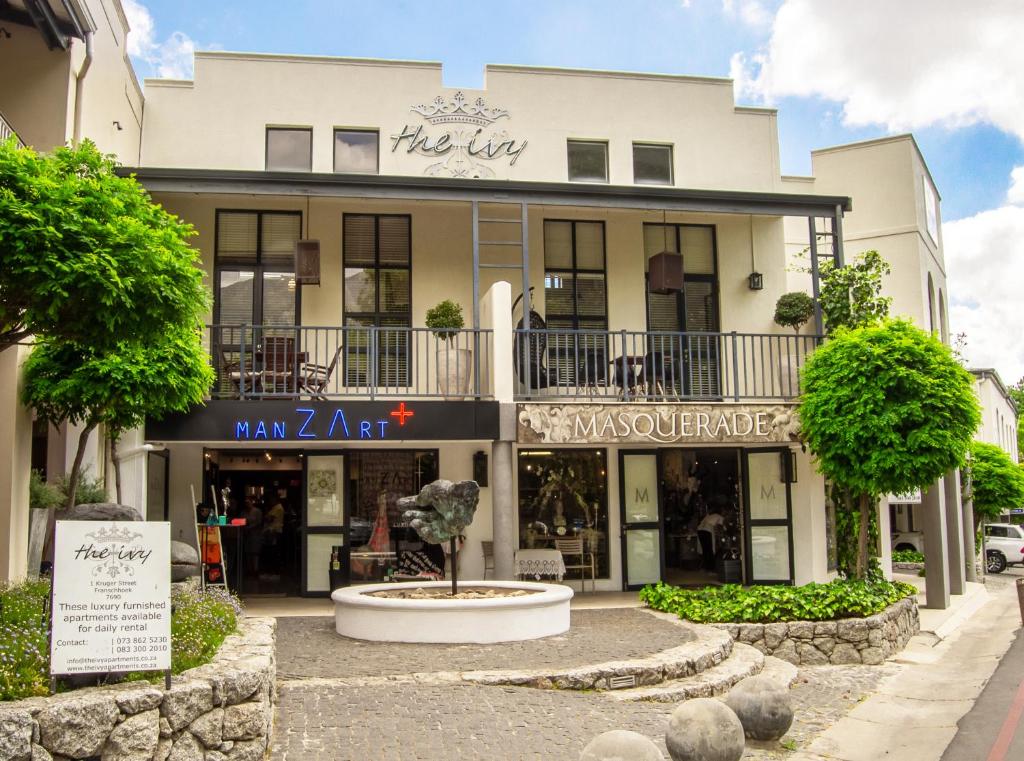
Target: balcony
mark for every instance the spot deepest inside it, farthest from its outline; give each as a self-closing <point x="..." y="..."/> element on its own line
<point x="368" y="363"/>
<point x="293" y="362"/>
<point x="659" y="366"/>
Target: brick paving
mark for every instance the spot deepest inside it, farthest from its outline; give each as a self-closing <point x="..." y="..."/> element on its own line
<point x="320" y="716"/>
<point x="309" y="647"/>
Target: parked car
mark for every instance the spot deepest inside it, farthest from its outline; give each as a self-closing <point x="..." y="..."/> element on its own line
<point x="1004" y="546"/>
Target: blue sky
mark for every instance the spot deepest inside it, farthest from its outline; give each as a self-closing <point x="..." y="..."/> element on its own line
<point x="836" y="71"/>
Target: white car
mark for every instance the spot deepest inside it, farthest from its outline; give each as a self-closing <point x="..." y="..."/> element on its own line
<point x="1004" y="545"/>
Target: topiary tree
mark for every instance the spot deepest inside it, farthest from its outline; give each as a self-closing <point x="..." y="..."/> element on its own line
<point x="885" y="409"/>
<point x="792" y="310"/>
<point x="851" y="295"/>
<point x="85" y="255"/>
<point x="445" y="319"/>
<point x="997" y="482"/>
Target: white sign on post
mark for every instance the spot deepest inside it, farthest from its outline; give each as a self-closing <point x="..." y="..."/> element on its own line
<point x="111" y="597"/>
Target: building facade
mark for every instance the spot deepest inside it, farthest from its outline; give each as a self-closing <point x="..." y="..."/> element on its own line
<point x="617" y="242"/>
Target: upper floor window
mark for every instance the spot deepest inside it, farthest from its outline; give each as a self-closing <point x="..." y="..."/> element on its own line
<point x="289" y="149"/>
<point x="588" y="161"/>
<point x="931" y="209"/>
<point x="356" y="151"/>
<point x="652" y="164"/>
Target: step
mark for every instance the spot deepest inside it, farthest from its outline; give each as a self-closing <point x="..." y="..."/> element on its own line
<point x="710" y="647"/>
<point x="744" y="661"/>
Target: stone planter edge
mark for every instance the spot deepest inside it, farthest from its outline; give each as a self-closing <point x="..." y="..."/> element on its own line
<point x="223" y="707"/>
<point x="867" y="640"/>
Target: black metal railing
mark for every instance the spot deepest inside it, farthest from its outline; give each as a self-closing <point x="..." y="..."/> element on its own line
<point x="659" y="366"/>
<point x="291" y="361"/>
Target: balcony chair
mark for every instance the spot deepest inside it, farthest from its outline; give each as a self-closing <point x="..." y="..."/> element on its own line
<point x="655" y="375"/>
<point x="535" y="376"/>
<point x="278" y="366"/>
<point x="575" y="548"/>
<point x="314" y="378"/>
<point x="592" y="371"/>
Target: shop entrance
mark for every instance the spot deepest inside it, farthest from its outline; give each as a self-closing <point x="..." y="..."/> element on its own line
<point x="264" y="489"/>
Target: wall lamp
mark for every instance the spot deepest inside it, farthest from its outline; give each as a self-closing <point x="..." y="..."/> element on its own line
<point x="756" y="281"/>
<point x="117" y="125"/>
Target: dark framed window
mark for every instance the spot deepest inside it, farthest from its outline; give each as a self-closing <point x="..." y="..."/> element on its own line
<point x="588" y="161"/>
<point x="692" y="362"/>
<point x="377" y="260"/>
<point x="563" y="493"/>
<point x="652" y="164"/>
<point x="356" y="151"/>
<point x="289" y="149"/>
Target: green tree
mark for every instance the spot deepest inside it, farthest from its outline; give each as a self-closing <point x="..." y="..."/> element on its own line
<point x="885" y="408"/>
<point x="1016" y="392"/>
<point x="997" y="482"/>
<point x="792" y="310"/>
<point x="851" y="296"/>
<point x="85" y="255"/>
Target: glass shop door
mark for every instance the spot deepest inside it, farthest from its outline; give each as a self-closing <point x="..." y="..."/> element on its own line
<point x="769" y="473"/>
<point x="640" y="503"/>
<point x="324" y="525"/>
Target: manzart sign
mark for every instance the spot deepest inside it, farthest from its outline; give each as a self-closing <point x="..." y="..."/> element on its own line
<point x="463" y="148"/>
<point x="111" y="597"/>
<point x="654" y="423"/>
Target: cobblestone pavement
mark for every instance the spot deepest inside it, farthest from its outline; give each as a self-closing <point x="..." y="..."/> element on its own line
<point x="322" y="720"/>
<point x="309" y="647"/>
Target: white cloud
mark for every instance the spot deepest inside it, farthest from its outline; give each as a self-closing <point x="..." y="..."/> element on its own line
<point x="905" y="64"/>
<point x="171" y="58"/>
<point x="750" y="12"/>
<point x="1016" y="192"/>
<point x="985" y="267"/>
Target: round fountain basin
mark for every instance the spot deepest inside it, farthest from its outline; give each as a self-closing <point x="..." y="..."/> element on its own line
<point x="543" y="613"/>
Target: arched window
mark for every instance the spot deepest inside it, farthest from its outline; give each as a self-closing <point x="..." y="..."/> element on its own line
<point x="943" y="326"/>
<point x="931" y="304"/>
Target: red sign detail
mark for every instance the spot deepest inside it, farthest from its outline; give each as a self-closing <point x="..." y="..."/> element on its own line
<point x="401" y="413"/>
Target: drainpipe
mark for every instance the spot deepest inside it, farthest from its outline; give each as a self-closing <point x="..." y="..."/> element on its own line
<point x="82" y="71"/>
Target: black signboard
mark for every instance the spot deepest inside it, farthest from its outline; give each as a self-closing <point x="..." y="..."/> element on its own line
<point x="260" y="422"/>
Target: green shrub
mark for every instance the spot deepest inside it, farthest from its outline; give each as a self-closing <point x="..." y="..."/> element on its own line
<point x="793" y="309"/>
<point x="89" y="490"/>
<point x="200" y="621"/>
<point x="444" y="319"/>
<point x="41" y="495"/>
<point x="733" y="603"/>
<point x="907" y="556"/>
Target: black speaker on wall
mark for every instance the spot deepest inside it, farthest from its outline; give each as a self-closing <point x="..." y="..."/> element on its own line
<point x="480" y="468"/>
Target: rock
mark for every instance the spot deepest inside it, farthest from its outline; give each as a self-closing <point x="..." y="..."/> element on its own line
<point x="215" y="755"/>
<point x="165" y="728"/>
<point x="824" y="628"/>
<point x="39" y="753"/>
<point x="226" y="746"/>
<point x="750" y="633"/>
<point x="209" y="727"/>
<point x="774" y="634"/>
<point x="246" y="721"/>
<point x="234" y="686"/>
<point x="137" y="700"/>
<point x="186" y="748"/>
<point x="163" y="749"/>
<point x="704" y="729"/>
<point x="101" y="511"/>
<point x="802" y="629"/>
<point x="852" y="629"/>
<point x="184" y="561"/>
<point x="248" y="750"/>
<point x="872" y="656"/>
<point x="824" y="644"/>
<point x="810" y="655"/>
<point x="762" y="706"/>
<point x="787" y="652"/>
<point x="621" y="745"/>
<point x="15" y="735"/>
<point x="136" y="737"/>
<point x="185" y="702"/>
<point x="79" y="726"/>
<point x="875" y="637"/>
<point x="845" y="653"/>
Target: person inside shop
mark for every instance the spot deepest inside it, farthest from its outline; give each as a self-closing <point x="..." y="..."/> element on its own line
<point x="273" y="528"/>
<point x="705" y="533"/>
<point x="253" y="535"/>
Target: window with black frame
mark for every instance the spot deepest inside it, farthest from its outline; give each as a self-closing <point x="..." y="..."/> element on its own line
<point x="255" y="297"/>
<point x="377" y="257"/>
<point x="563" y="494"/>
<point x="688" y="365"/>
<point x="575" y="301"/>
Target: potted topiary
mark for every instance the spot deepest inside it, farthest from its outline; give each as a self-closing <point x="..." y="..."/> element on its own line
<point x="792" y="310"/>
<point x="453" y="363"/>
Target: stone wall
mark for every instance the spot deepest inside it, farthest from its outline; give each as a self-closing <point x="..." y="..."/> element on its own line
<point x="849" y="640"/>
<point x="221" y="711"/>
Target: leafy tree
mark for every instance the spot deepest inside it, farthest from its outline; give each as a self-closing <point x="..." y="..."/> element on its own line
<point x="997" y="482"/>
<point x="119" y="388"/>
<point x="851" y="295"/>
<point x="792" y="310"/>
<point x="1016" y="392"/>
<point x="885" y="408"/>
<point x="85" y="255"/>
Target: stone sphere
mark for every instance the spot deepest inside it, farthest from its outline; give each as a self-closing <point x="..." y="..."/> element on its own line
<point x="704" y="729"/>
<point x="621" y="745"/>
<point x="763" y="707"/>
<point x="184" y="561"/>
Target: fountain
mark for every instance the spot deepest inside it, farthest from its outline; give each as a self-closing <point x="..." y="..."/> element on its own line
<point x="436" y="611"/>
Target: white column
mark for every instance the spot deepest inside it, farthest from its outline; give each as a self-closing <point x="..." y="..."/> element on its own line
<point x="954" y="529"/>
<point x="885" y="538"/>
<point x="15" y="467"/>
<point x="936" y="558"/>
<point x="506" y="533"/>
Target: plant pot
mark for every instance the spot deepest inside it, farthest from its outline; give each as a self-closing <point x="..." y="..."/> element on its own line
<point x="453" y="372"/>
<point x="790" y="366"/>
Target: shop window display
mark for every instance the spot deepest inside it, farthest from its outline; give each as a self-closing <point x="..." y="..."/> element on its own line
<point x="564" y="494"/>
